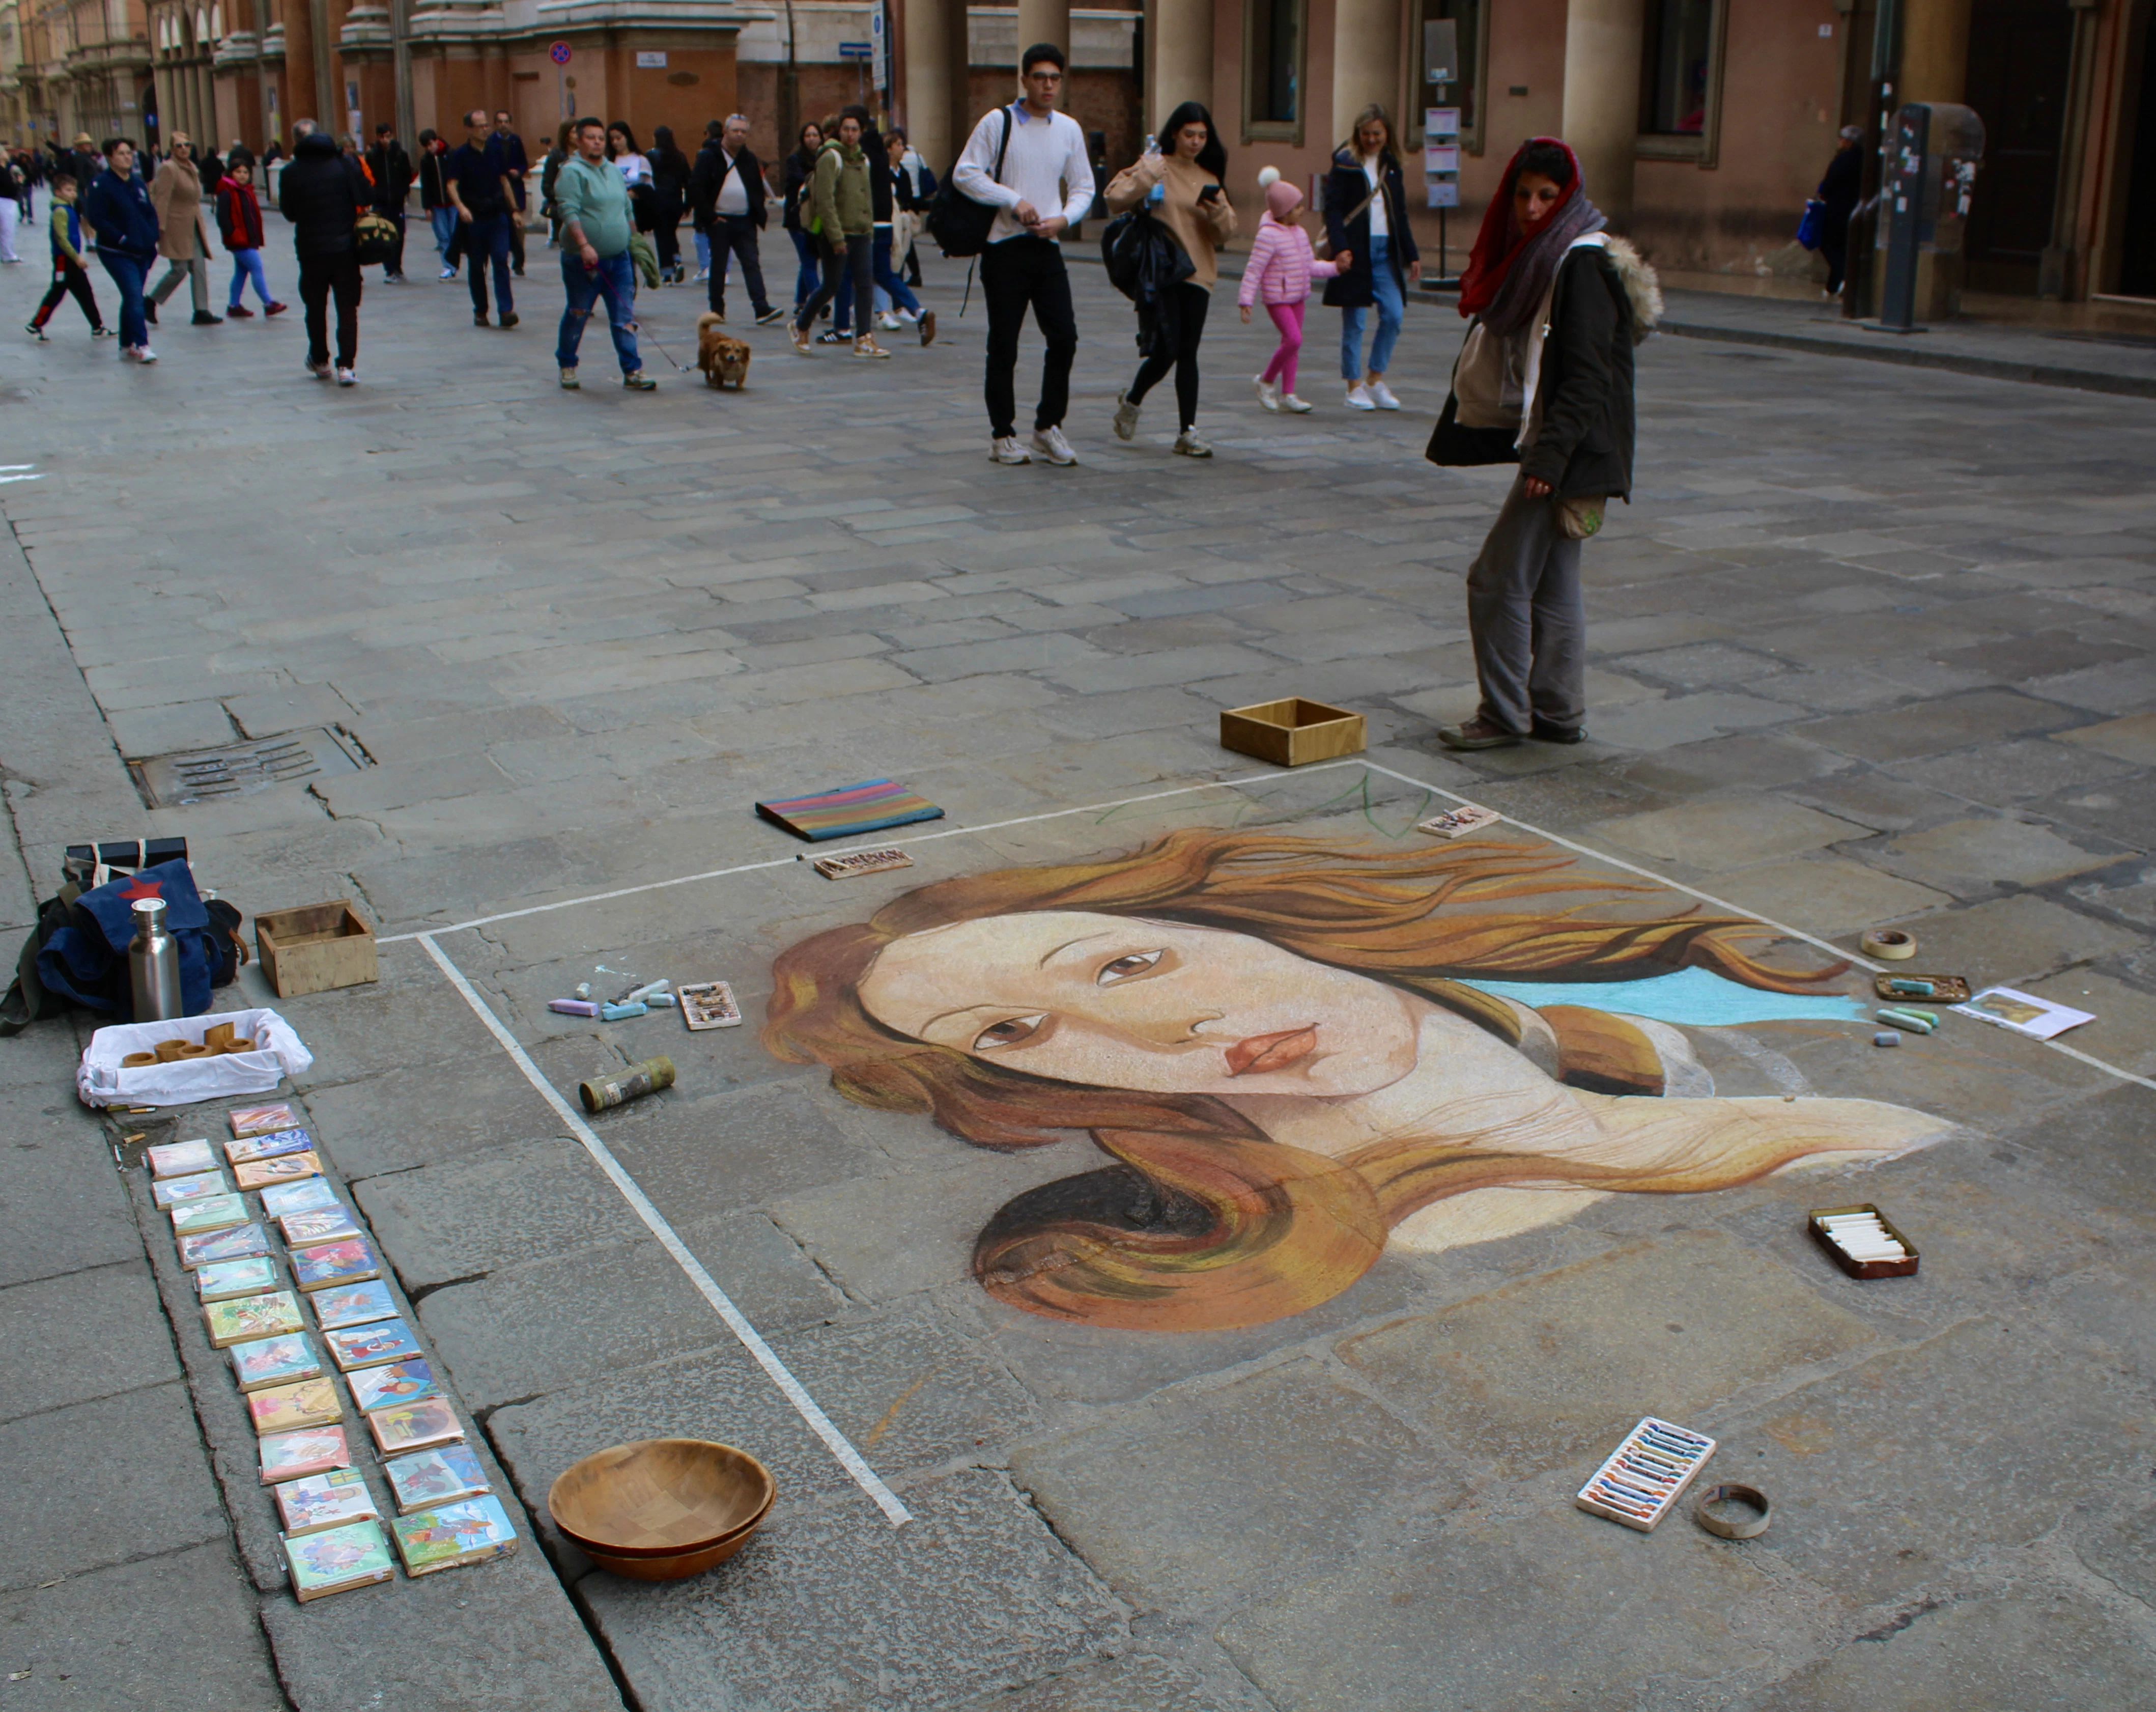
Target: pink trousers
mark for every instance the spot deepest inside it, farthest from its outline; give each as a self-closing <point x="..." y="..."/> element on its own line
<point x="1288" y="318"/>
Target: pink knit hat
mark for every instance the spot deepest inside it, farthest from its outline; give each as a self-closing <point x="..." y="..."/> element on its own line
<point x="1282" y="198"/>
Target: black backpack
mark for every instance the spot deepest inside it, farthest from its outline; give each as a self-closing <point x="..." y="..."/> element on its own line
<point x="960" y="225"/>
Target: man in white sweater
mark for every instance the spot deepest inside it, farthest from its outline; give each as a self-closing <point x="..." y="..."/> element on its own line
<point x="1045" y="185"/>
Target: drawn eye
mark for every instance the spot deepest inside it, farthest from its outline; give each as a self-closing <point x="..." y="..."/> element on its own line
<point x="1122" y="968"/>
<point x="1015" y="1031"/>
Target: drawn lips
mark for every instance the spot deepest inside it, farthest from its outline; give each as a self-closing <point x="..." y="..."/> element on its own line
<point x="1263" y="1052"/>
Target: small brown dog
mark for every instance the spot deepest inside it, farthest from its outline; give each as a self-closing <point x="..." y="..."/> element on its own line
<point x="724" y="360"/>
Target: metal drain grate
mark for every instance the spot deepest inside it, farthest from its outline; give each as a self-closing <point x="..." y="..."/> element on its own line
<point x="241" y="769"/>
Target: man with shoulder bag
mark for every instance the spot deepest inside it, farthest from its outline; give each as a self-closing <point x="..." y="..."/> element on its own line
<point x="1028" y="162"/>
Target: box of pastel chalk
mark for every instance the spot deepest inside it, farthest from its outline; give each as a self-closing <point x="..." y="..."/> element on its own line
<point x="1863" y="1242"/>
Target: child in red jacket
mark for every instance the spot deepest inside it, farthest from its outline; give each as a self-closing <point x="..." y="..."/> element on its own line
<point x="1281" y="267"/>
<point x="239" y="224"/>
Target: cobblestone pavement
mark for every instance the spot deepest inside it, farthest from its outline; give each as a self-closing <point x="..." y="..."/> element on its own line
<point x="1872" y="646"/>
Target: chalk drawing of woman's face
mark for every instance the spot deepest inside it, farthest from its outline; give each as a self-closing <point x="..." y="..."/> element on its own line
<point x="1113" y="1001"/>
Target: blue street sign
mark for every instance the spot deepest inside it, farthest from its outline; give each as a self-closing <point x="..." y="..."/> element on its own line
<point x="856" y="51"/>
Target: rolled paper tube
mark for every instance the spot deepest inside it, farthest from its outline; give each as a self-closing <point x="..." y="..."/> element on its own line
<point x="1888" y="944"/>
<point x="1885" y="1037"/>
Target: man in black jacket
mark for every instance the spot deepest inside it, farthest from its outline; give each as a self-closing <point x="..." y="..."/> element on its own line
<point x="323" y="193"/>
<point x="727" y="196"/>
<point x="392" y="183"/>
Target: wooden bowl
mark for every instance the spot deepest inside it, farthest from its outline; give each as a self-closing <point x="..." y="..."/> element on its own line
<point x="661" y="1508"/>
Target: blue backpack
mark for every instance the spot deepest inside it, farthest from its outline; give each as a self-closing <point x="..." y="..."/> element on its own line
<point x="79" y="950"/>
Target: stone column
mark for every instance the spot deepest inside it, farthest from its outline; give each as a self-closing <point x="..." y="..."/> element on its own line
<point x="935" y="80"/>
<point x="1366" y="67"/>
<point x="1934" y="51"/>
<point x="1044" y="21"/>
<point x="1603" y="42"/>
<point x="1179" y="58"/>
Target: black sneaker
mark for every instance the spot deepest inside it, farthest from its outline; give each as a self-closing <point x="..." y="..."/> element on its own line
<point x="203" y="318"/>
<point x="510" y="319"/>
<point x="766" y="317"/>
<point x="149" y="311"/>
<point x="832" y="336"/>
<point x="479" y="318"/>
<point x="1543" y="732"/>
<point x="36" y="332"/>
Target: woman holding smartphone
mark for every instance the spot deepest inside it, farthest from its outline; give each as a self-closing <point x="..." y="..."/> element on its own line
<point x="1185" y="191"/>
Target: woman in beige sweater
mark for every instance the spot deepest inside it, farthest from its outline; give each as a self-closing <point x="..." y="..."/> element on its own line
<point x="1185" y="190"/>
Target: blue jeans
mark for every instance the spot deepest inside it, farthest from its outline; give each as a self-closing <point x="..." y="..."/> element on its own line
<point x="127" y="275"/>
<point x="613" y="279"/>
<point x="246" y="264"/>
<point x="806" y="281"/>
<point x="488" y="238"/>
<point x="703" y="251"/>
<point x="887" y="281"/>
<point x="1385" y="286"/>
<point x="445" y="227"/>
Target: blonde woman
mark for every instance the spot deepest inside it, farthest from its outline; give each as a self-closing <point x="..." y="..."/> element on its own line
<point x="1297" y="1053"/>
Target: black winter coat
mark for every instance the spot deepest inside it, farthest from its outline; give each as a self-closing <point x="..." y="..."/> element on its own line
<point x="800" y="168"/>
<point x="393" y="176"/>
<point x="708" y="179"/>
<point x="1347" y="187"/>
<point x="322" y="192"/>
<point x="1584" y="448"/>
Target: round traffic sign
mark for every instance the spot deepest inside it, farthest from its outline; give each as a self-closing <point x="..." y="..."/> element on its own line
<point x="559" y="53"/>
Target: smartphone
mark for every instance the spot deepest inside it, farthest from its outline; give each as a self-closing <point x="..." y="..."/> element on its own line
<point x="1209" y="194"/>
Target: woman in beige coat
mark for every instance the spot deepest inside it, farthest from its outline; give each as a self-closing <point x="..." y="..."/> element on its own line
<point x="176" y="193"/>
<point x="1185" y="189"/>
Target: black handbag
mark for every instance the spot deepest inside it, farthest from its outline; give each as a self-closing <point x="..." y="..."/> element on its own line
<point x="960" y="225"/>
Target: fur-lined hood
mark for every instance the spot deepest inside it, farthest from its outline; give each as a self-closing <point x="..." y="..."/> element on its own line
<point x="1643" y="290"/>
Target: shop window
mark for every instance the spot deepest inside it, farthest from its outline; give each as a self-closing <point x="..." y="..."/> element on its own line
<point x="1472" y="38"/>
<point x="1272" y="55"/>
<point x="1680" y="79"/>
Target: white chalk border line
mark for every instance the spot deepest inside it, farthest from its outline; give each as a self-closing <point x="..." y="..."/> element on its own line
<point x="819" y="1423"/>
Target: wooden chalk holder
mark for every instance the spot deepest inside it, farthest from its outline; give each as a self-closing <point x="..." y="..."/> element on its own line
<point x="1904" y="1267"/>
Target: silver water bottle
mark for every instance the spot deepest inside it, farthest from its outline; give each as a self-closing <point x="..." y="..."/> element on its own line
<point x="153" y="964"/>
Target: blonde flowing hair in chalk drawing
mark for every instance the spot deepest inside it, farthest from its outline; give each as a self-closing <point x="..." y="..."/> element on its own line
<point x="1205" y="1222"/>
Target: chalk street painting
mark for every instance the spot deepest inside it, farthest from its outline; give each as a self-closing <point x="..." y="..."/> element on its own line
<point x="1295" y="1050"/>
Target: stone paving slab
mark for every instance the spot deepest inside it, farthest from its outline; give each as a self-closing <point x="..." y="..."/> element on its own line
<point x="580" y="634"/>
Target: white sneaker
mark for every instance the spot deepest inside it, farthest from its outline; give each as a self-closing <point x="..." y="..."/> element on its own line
<point x="347" y="376"/>
<point x="1127" y="417"/>
<point x="448" y="273"/>
<point x="1190" y="445"/>
<point x="1359" y="398"/>
<point x="702" y="274"/>
<point x="1049" y="442"/>
<point x="1381" y="395"/>
<point x="126" y="353"/>
<point x="890" y="323"/>
<point x="1289" y="402"/>
<point x="1268" y="394"/>
<point x="1008" y="450"/>
<point x="143" y="353"/>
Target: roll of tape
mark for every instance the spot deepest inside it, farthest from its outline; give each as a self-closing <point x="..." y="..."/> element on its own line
<point x="1889" y="944"/>
<point x="1728" y="1527"/>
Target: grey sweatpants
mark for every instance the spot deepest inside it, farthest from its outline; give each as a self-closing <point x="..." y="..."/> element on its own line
<point x="1527" y="619"/>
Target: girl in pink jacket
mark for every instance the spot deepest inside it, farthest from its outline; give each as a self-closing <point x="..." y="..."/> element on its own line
<point x="1281" y="267"/>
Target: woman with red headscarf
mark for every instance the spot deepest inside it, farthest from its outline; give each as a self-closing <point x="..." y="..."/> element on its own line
<point x="1544" y="380"/>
